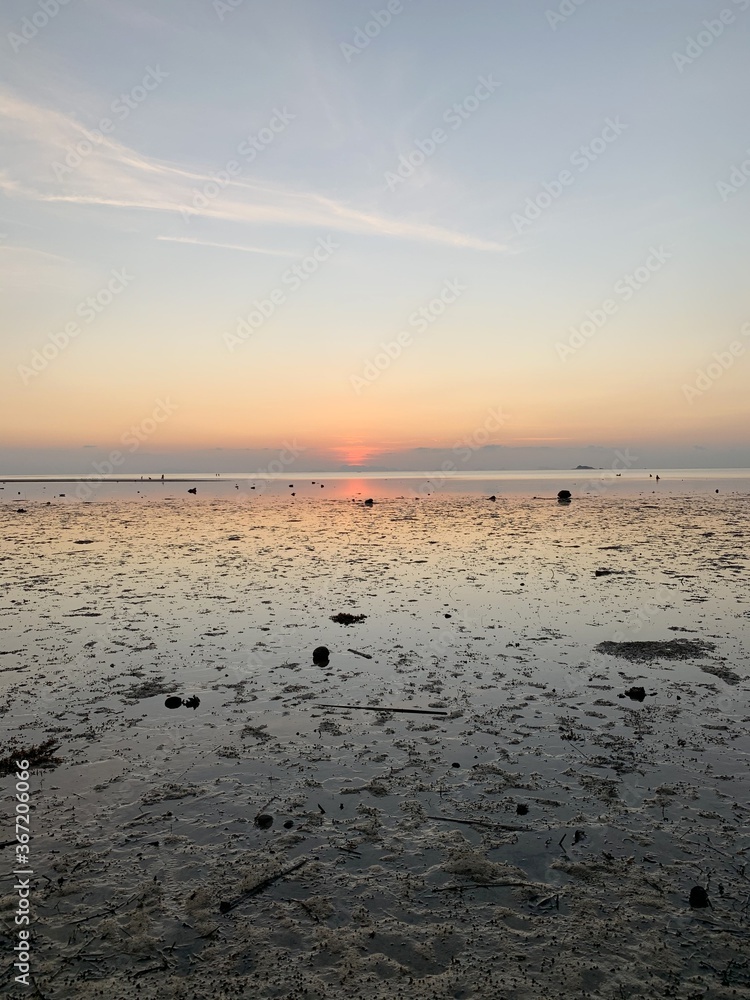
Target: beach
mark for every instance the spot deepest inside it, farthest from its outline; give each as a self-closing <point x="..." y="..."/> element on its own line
<point x="499" y="811"/>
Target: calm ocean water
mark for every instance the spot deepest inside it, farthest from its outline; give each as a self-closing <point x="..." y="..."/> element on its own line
<point x="542" y="483"/>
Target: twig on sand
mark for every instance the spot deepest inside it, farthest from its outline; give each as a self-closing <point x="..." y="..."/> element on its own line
<point x="486" y="885"/>
<point x="308" y="910"/>
<point x="356" y="652"/>
<point x="105" y="913"/>
<point x="226" y="905"/>
<point x="480" y="822"/>
<point x="384" y="708"/>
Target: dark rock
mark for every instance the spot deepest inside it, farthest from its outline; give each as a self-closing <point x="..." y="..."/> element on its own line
<point x="636" y="693"/>
<point x="320" y="656"/>
<point x="369" y="502"/>
<point x="264" y="821"/>
<point x="455" y="764"/>
<point x="699" y="896"/>
<point x="224" y="906"/>
<point x="602" y="572"/>
<point x="192" y="702"/>
<point x="564" y="495"/>
<point x="289" y="824"/>
<point x="447" y="616"/>
<point x="21" y="510"/>
<point x="521" y="809"/>
<point x="173" y="702"/>
<point x="193" y="490"/>
<point x="493" y="498"/>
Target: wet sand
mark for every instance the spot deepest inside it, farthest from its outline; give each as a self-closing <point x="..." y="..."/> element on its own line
<point x="539" y="839"/>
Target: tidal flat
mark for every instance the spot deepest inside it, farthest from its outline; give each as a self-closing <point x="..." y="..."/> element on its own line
<point x="532" y="830"/>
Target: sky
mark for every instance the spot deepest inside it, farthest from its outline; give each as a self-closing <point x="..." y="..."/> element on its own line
<point x="327" y="234"/>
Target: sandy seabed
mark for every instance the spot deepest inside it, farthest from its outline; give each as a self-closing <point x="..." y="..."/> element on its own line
<point x="537" y="840"/>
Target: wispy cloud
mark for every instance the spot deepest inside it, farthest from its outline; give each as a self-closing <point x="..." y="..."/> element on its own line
<point x="227" y="246"/>
<point x="112" y="175"/>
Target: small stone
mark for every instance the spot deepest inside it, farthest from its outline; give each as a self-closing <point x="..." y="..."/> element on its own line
<point x="698" y="896"/>
<point x="289" y="824"/>
<point x="636" y="693"/>
<point x="264" y="821"/>
<point x="173" y="702"/>
<point x="521" y="809"/>
<point x="455" y="764"/>
<point x="369" y="502"/>
<point x="564" y="495"/>
<point x="320" y="656"/>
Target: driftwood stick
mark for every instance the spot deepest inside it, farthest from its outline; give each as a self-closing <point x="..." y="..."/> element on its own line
<point x="225" y="906"/>
<point x="480" y="822"/>
<point x="357" y="653"/>
<point x="486" y="885"/>
<point x="384" y="708"/>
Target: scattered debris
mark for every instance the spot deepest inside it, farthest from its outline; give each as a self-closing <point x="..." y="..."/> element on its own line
<point x="385" y="708"/>
<point x="344" y="618"/>
<point x="41" y="755"/>
<point x="665" y="649"/>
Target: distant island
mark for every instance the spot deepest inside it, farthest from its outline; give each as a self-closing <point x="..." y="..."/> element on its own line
<point x="582" y="467"/>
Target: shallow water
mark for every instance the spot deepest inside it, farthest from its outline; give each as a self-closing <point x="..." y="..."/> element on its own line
<point x="488" y="612"/>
